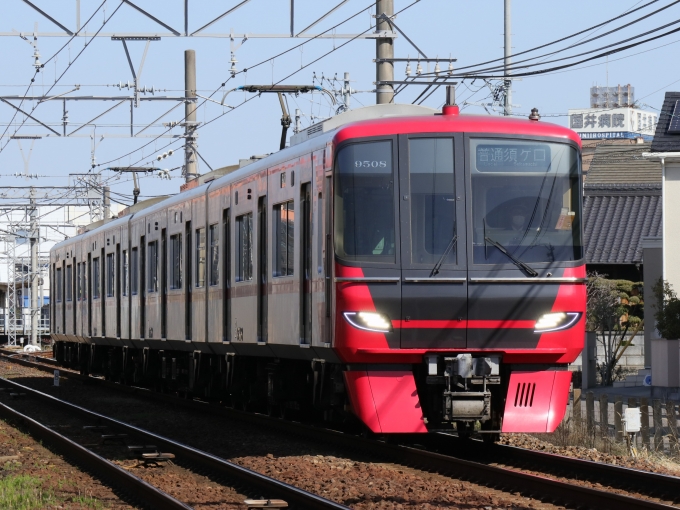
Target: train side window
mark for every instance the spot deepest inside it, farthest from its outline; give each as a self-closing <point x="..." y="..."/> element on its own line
<point x="176" y="261"/>
<point x="200" y="257"/>
<point x="134" y="273"/>
<point x="69" y="283"/>
<point x="284" y="238"/>
<point x="110" y="274"/>
<point x="214" y="234"/>
<point x="126" y="273"/>
<point x="152" y="273"/>
<point x="244" y="247"/>
<point x="96" y="278"/>
<point x="59" y="284"/>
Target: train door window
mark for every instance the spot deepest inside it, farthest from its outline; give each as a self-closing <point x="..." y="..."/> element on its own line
<point x="364" y="203"/>
<point x="432" y="199"/>
<point x="79" y="284"/>
<point x="214" y="235"/>
<point x="176" y="261"/>
<point x="118" y="285"/>
<point x="200" y="257"/>
<point x="244" y="247"/>
<point x="69" y="283"/>
<point x="96" y="278"/>
<point x="126" y="273"/>
<point x="59" y="284"/>
<point x="110" y="275"/>
<point x="152" y="273"/>
<point x="284" y="239"/>
<point x="134" y="272"/>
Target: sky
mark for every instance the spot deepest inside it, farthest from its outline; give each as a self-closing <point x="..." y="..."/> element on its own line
<point x="469" y="31"/>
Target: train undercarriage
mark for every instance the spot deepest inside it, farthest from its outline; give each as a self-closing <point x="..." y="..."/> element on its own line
<point x="457" y="392"/>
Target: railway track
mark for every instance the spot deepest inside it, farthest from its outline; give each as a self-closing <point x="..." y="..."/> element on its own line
<point x="255" y="483"/>
<point x="503" y="467"/>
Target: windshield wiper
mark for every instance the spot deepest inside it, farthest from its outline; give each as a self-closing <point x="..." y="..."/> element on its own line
<point x="452" y="243"/>
<point x="515" y="260"/>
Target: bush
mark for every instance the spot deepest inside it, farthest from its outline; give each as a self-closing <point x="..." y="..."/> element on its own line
<point x="667" y="310"/>
<point x="634" y="300"/>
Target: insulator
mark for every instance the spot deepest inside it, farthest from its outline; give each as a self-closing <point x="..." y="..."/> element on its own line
<point x="450" y="67"/>
<point x="437" y="69"/>
<point x="408" y="68"/>
<point x="419" y="69"/>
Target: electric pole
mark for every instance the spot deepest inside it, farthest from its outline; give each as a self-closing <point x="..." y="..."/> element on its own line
<point x="35" y="272"/>
<point x="107" y="202"/>
<point x="507" y="106"/>
<point x="384" y="49"/>
<point x="190" y="166"/>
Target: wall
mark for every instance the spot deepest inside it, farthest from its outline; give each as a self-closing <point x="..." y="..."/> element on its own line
<point x="652" y="256"/>
<point x="671" y="220"/>
<point x="633" y="358"/>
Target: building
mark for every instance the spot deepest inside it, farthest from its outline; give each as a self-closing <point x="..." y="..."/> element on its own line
<point x="612" y="119"/>
<point x="622" y="205"/>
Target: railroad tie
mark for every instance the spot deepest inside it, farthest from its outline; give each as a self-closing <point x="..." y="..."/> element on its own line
<point x="265" y="503"/>
<point x="114" y="438"/>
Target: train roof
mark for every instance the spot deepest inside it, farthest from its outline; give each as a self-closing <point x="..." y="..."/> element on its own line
<point x="455" y="123"/>
<point x="377" y="120"/>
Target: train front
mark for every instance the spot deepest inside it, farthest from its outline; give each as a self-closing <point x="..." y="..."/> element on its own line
<point x="459" y="279"/>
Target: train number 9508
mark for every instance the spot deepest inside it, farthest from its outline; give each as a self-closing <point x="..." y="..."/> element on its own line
<point x="370" y="164"/>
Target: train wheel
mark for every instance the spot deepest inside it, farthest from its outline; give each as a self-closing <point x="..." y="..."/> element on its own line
<point x="491" y="438"/>
<point x="464" y="429"/>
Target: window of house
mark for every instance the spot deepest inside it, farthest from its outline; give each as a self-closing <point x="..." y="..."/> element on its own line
<point x="284" y="239"/>
<point x="244" y="247"/>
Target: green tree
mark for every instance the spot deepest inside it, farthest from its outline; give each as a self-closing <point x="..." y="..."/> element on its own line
<point x="615" y="317"/>
<point x="667" y="310"/>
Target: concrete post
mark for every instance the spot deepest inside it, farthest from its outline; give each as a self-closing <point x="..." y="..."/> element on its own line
<point x="35" y="272"/>
<point x="107" y="202"/>
<point x="190" y="158"/>
<point x="384" y="48"/>
<point x="507" y="106"/>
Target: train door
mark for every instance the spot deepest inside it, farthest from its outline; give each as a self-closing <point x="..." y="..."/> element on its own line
<point x="89" y="294"/>
<point x="188" y="283"/>
<point x="117" y="291"/>
<point x="306" y="264"/>
<point x="226" y="285"/>
<point x="262" y="270"/>
<point x="142" y="287"/>
<point x="164" y="283"/>
<point x="434" y="270"/>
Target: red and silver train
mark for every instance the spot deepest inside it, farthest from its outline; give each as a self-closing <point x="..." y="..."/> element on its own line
<point x="421" y="270"/>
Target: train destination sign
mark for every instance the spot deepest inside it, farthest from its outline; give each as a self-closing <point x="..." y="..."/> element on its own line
<point x="513" y="157"/>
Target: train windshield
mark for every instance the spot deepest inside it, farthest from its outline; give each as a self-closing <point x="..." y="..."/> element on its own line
<point x="525" y="201"/>
<point x="364" y="203"/>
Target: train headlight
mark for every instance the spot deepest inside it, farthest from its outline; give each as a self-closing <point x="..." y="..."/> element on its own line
<point x="369" y="321"/>
<point x="556" y="321"/>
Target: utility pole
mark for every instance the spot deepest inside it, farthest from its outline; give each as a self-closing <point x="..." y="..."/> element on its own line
<point x="107" y="202"/>
<point x="190" y="162"/>
<point x="384" y="49"/>
<point x="347" y="91"/>
<point x="35" y="271"/>
<point x="507" y="106"/>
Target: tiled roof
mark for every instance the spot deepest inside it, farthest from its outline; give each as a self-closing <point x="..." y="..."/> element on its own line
<point x="664" y="142"/>
<point x="616" y="218"/>
<point x="623" y="164"/>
